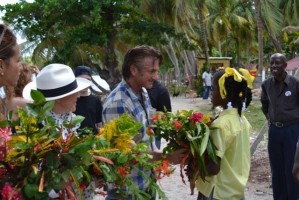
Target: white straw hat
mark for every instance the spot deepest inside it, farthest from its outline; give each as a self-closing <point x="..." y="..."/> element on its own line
<point x="56" y="81"/>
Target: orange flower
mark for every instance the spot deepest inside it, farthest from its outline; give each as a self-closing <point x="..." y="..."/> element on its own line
<point x="177" y="125"/>
<point x="149" y="131"/>
<point x="155" y="118"/>
<point x="158" y="116"/>
<point x="123" y="171"/>
<point x="164" y="169"/>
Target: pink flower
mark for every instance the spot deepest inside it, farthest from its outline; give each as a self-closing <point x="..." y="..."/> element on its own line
<point x="9" y="193"/>
<point x="37" y="147"/>
<point x="177" y="125"/>
<point x="196" y="117"/>
<point x="4" y="137"/>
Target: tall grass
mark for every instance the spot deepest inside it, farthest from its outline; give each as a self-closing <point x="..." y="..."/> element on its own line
<point x="255" y="115"/>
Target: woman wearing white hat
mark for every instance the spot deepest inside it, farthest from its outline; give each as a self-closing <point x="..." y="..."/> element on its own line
<point x="57" y="82"/>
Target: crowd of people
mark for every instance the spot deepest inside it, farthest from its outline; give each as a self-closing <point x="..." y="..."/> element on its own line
<point x="140" y="93"/>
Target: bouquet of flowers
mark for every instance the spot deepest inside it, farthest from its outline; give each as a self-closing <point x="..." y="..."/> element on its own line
<point x="36" y="160"/>
<point x="127" y="156"/>
<point x="190" y="130"/>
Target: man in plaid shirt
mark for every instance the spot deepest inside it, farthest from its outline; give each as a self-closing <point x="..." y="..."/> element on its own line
<point x="139" y="70"/>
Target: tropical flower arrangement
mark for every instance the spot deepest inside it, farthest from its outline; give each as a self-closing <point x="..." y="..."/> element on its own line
<point x="36" y="160"/>
<point x="191" y="130"/>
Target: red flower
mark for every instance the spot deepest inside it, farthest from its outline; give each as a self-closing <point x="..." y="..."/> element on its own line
<point x="3" y="173"/>
<point x="177" y="125"/>
<point x="8" y="193"/>
<point x="196" y="117"/>
<point x="82" y="186"/>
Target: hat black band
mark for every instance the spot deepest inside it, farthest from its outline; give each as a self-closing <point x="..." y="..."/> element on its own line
<point x="59" y="91"/>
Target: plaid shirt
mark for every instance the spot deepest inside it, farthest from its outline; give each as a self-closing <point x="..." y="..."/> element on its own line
<point x="121" y="100"/>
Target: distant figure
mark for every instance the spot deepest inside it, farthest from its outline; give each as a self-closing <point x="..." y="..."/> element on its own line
<point x="249" y="79"/>
<point x="280" y="104"/>
<point x="160" y="100"/>
<point x="88" y="105"/>
<point x="207" y="82"/>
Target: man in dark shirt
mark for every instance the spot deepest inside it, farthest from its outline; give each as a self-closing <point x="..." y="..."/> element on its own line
<point x="160" y="100"/>
<point x="280" y="104"/>
<point x="88" y="105"/>
<point x="159" y="97"/>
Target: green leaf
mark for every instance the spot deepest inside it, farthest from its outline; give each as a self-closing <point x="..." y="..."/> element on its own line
<point x="106" y="172"/>
<point x="122" y="158"/>
<point x="30" y="190"/>
<point x="52" y="160"/>
<point x="3" y="124"/>
<point x="205" y="138"/>
<point x="75" y="120"/>
<point x="22" y="146"/>
<point x="37" y="96"/>
<point x="48" y="106"/>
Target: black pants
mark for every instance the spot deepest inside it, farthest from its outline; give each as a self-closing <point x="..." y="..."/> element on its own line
<point x="282" y="148"/>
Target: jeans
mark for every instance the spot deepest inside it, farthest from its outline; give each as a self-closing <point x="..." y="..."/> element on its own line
<point x="206" y="93"/>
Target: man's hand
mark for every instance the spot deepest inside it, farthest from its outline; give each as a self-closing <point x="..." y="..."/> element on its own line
<point x="177" y="156"/>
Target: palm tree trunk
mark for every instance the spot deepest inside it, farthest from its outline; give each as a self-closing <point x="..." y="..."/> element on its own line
<point x="172" y="56"/>
<point x="260" y="36"/>
<point x="258" y="79"/>
<point x="203" y="31"/>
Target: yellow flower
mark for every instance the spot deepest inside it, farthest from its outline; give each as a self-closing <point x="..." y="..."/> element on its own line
<point x="109" y="130"/>
<point x="183" y="112"/>
<point x="124" y="143"/>
<point x="206" y="118"/>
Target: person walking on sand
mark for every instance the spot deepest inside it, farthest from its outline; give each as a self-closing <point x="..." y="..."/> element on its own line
<point x="280" y="105"/>
<point x="230" y="133"/>
<point x="139" y="71"/>
<point x="207" y="82"/>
